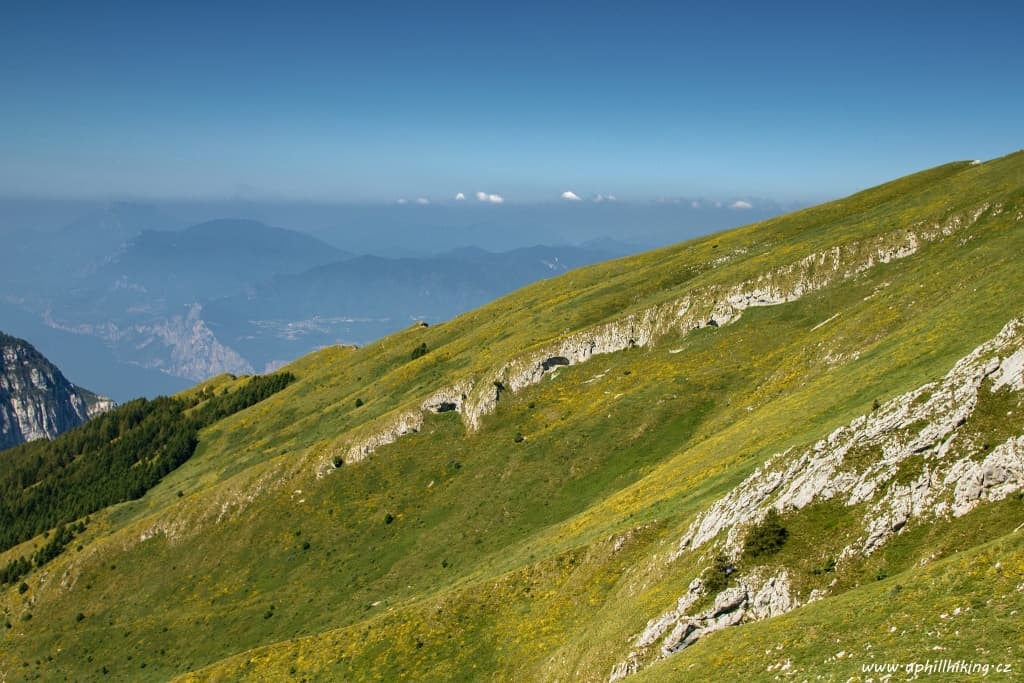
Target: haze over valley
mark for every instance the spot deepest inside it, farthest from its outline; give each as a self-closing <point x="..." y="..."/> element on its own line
<point x="136" y="299"/>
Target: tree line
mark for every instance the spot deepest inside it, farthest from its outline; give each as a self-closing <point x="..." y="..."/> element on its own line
<point x="115" y="457"/>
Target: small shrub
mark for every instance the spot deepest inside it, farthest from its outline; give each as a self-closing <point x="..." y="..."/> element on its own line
<point x="23" y="588"/>
<point x="419" y="351"/>
<point x="359" y="403"/>
<point x="519" y="437"/>
<point x="338" y="461"/>
<point x="825" y="568"/>
<point x="388" y="518"/>
<point x="305" y="545"/>
<point x="766" y="538"/>
<point x="79" y="617"/>
<point x="716" y="577"/>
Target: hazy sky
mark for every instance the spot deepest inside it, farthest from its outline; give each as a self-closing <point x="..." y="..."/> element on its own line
<point x="520" y="100"/>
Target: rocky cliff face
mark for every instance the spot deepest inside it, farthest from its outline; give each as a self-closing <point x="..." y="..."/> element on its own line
<point x="711" y="306"/>
<point x="928" y="463"/>
<point x="36" y="400"/>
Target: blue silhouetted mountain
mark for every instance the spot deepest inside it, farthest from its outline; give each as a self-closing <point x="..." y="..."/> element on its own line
<point x="215" y="258"/>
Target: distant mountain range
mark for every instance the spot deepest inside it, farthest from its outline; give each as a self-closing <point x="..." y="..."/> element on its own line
<point x="164" y="308"/>
<point x="36" y="400"/>
<point x="213" y="259"/>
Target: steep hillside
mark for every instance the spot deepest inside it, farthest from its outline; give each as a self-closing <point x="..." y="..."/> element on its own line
<point x="36" y="401"/>
<point x="791" y="449"/>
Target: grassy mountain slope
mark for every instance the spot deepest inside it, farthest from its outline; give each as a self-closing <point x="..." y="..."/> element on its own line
<point x="535" y="537"/>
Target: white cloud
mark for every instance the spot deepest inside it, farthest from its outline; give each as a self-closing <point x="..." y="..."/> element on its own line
<point x="694" y="204"/>
<point x="460" y="197"/>
<point x="571" y="196"/>
<point x="422" y="201"/>
<point x="403" y="200"/>
<point x="490" y="198"/>
<point x="740" y="204"/>
<point x="605" y="198"/>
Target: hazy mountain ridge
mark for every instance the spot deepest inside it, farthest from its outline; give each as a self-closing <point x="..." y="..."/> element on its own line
<point x="36" y="401"/>
<point x="216" y="258"/>
<point x="364" y="298"/>
<point x="574" y="481"/>
<point x="234" y="295"/>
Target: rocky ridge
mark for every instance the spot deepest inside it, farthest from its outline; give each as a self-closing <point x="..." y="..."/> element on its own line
<point x="36" y="400"/>
<point x="711" y="306"/>
<point x="924" y="429"/>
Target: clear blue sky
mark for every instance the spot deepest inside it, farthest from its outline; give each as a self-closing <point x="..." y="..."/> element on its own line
<point x="527" y="100"/>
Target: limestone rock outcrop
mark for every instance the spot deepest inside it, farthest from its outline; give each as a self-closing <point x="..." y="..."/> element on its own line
<point x="922" y="462"/>
<point x="710" y="306"/>
<point x="36" y="400"/>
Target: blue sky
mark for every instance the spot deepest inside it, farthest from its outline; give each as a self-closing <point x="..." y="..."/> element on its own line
<point x="525" y="100"/>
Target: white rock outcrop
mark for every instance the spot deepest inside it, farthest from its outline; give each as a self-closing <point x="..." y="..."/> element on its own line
<point x="36" y="400"/>
<point x="919" y="428"/>
<point x="710" y="306"/>
<point x="921" y="431"/>
<point x="406" y="422"/>
<point x="752" y="598"/>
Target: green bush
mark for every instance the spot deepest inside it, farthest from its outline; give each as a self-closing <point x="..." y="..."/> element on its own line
<point x="829" y="566"/>
<point x="766" y="538"/>
<point x="716" y="577"/>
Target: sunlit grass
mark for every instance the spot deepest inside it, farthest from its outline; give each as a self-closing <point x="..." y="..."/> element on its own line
<point x="451" y="555"/>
